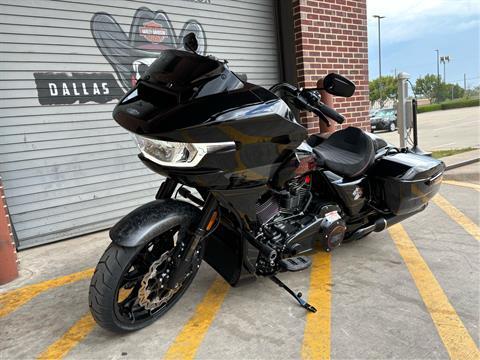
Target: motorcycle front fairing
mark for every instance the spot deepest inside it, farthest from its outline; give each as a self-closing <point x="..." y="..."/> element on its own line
<point x="175" y="93"/>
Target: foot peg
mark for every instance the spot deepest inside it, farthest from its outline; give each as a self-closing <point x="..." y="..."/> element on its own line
<point x="297" y="296"/>
<point x="296" y="263"/>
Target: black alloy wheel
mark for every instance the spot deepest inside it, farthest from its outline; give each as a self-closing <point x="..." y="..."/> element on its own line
<point x="128" y="289"/>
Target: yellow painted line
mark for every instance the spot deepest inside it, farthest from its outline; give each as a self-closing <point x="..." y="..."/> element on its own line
<point x="70" y="339"/>
<point x="12" y="300"/>
<point x="469" y="226"/>
<point x="461" y="183"/>
<point x="454" y="335"/>
<point x="316" y="340"/>
<point x="189" y="339"/>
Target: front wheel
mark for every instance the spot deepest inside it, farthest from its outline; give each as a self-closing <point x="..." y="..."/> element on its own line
<point x="128" y="291"/>
<point x="392" y="127"/>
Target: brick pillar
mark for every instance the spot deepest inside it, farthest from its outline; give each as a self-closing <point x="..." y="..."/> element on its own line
<point x="8" y="254"/>
<point x="331" y="36"/>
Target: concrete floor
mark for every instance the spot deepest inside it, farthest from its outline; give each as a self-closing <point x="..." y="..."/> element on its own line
<point x="446" y="129"/>
<point x="376" y="309"/>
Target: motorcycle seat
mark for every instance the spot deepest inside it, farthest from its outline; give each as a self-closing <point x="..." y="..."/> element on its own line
<point x="348" y="152"/>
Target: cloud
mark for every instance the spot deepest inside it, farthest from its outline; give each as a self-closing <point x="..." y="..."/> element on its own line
<point x="407" y="19"/>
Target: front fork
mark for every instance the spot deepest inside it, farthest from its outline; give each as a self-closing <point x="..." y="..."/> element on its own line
<point x="183" y="253"/>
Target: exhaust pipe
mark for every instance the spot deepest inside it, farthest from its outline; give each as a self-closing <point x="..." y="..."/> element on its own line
<point x="382" y="223"/>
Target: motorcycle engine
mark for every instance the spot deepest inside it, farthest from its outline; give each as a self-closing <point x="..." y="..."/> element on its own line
<point x="286" y="201"/>
<point x="281" y="215"/>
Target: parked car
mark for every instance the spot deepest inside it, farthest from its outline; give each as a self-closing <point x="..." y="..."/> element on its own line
<point x="384" y="119"/>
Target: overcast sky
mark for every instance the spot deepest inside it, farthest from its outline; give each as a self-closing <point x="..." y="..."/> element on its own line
<point x="413" y="29"/>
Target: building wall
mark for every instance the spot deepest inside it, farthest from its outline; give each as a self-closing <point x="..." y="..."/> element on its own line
<point x="331" y="36"/>
<point x="67" y="167"/>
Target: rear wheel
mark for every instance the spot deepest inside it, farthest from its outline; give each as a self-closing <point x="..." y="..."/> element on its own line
<point x="128" y="289"/>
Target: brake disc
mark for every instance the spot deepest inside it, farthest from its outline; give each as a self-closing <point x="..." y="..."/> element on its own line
<point x="152" y="293"/>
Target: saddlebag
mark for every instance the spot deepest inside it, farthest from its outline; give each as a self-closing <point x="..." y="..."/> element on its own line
<point x="404" y="182"/>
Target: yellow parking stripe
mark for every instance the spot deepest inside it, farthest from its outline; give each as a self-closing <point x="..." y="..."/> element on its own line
<point x="188" y="341"/>
<point x="453" y="333"/>
<point x="472" y="228"/>
<point x="461" y="183"/>
<point x="12" y="300"/>
<point x="70" y="339"/>
<point x="316" y="340"/>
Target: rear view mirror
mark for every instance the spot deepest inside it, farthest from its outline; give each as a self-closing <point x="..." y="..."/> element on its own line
<point x="190" y="42"/>
<point x="338" y="85"/>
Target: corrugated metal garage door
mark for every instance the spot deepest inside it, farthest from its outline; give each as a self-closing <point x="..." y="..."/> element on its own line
<point x="67" y="168"/>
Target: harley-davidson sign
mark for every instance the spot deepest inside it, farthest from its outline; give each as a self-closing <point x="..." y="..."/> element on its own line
<point x="153" y="32"/>
<point x="129" y="54"/>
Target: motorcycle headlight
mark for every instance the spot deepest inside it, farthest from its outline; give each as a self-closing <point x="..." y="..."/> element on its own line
<point x="169" y="153"/>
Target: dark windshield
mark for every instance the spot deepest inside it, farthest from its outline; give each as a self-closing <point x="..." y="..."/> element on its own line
<point x="181" y="68"/>
<point x="178" y="77"/>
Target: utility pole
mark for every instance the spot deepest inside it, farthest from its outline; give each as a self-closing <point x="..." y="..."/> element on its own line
<point x="379" y="17"/>
<point x="465" y="82"/>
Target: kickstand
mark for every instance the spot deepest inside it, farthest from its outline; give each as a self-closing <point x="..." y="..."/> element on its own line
<point x="297" y="297"/>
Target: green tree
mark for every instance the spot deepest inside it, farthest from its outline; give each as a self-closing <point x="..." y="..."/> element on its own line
<point x="474" y="92"/>
<point x="454" y="91"/>
<point x="388" y="90"/>
<point x="428" y="87"/>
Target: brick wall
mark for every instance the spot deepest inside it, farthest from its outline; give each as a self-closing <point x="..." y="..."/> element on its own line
<point x="8" y="254"/>
<point x="331" y="36"/>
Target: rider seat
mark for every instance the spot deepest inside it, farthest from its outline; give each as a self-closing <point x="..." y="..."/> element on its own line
<point x="348" y="152"/>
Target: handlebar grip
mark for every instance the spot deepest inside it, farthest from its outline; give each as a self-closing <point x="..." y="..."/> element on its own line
<point x="332" y="114"/>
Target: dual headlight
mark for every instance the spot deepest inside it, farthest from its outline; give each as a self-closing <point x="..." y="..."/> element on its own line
<point x="177" y="154"/>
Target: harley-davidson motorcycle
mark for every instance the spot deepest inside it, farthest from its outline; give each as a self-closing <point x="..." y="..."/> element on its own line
<point x="259" y="193"/>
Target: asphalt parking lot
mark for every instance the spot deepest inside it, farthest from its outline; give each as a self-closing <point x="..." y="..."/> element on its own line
<point x="447" y="129"/>
<point x="408" y="293"/>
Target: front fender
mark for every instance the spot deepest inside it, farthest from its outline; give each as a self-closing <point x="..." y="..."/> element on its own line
<point x="151" y="220"/>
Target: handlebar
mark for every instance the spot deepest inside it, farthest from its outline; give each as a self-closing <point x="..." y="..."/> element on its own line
<point x="310" y="100"/>
<point x="329" y="112"/>
<point x="319" y="108"/>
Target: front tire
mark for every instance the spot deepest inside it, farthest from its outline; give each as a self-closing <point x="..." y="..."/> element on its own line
<point x="117" y="281"/>
<point x="392" y="127"/>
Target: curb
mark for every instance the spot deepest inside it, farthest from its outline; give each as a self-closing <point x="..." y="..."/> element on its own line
<point x="462" y="163"/>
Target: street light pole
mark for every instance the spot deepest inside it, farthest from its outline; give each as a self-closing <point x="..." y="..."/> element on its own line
<point x="444" y="60"/>
<point x="438" y="74"/>
<point x="379" y="17"/>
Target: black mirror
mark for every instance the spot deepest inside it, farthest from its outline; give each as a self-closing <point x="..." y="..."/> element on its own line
<point x="190" y="42"/>
<point x="338" y="85"/>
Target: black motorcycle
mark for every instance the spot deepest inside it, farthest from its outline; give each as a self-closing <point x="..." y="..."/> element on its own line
<point x="260" y="194"/>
